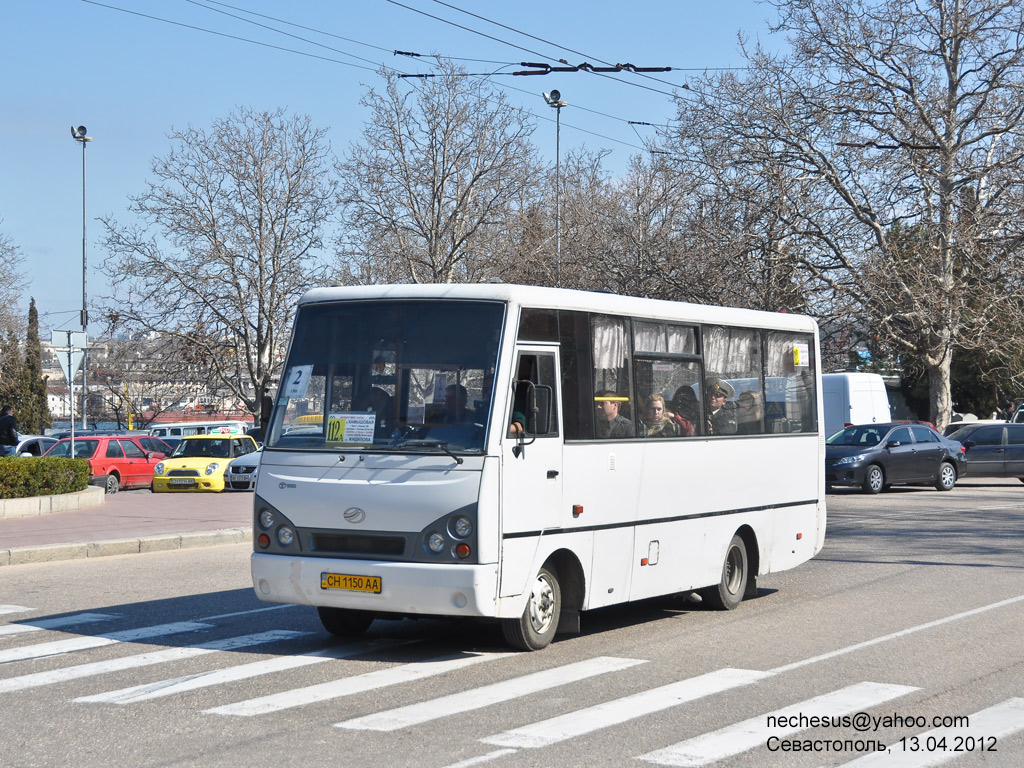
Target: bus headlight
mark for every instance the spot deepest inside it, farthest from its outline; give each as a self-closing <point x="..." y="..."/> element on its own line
<point x="436" y="542"/>
<point x="285" y="536"/>
<point x="212" y="467"/>
<point x="460" y="527"/>
<point x="266" y="519"/>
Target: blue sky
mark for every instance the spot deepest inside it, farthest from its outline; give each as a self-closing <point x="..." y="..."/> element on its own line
<point x="131" y="79"/>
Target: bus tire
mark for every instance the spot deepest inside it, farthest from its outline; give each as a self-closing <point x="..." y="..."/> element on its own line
<point x="344" y="622"/>
<point x="728" y="593"/>
<point x="536" y="628"/>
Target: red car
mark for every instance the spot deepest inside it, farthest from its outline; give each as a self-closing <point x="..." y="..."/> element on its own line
<point x="116" y="461"/>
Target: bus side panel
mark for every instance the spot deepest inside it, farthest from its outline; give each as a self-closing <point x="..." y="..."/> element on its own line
<point x="604" y="478"/>
<point x="523" y="557"/>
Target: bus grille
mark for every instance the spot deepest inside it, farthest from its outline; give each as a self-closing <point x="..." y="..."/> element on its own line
<point x="342" y="543"/>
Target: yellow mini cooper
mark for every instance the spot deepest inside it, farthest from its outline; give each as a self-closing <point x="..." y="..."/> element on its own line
<point x="199" y="461"/>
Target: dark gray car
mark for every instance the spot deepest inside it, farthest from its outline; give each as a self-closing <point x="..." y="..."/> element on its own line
<point x="875" y="456"/>
<point x="993" y="450"/>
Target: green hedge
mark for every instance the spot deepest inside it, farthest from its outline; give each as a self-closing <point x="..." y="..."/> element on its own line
<point x="21" y="477"/>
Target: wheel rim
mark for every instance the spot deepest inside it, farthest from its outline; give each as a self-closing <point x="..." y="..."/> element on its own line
<point x="542" y="605"/>
<point x="733" y="573"/>
<point x="875" y="478"/>
<point x="112" y="484"/>
<point x="948" y="476"/>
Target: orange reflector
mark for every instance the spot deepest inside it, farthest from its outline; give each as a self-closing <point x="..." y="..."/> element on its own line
<point x="263" y="540"/>
<point x="799" y="536"/>
<point x="462" y="550"/>
<point x="577" y="510"/>
<point x="643" y="561"/>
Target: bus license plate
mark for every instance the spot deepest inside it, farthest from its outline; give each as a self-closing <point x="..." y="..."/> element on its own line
<point x="350" y="583"/>
<point x="181" y="481"/>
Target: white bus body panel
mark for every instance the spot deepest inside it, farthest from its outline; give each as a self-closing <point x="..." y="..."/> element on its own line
<point x="397" y="493"/>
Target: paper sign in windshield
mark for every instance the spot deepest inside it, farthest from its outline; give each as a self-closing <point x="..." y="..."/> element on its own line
<point x="351" y="427"/>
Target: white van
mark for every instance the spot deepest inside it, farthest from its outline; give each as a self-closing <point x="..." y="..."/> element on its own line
<point x="853" y="398"/>
<point x="178" y="430"/>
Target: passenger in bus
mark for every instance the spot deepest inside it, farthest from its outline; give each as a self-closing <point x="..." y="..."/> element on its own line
<point x="455" y="399"/>
<point x="748" y="413"/>
<point x="658" y="423"/>
<point x="378" y="402"/>
<point x="685" y="411"/>
<point x="609" y="422"/>
<point x="721" y="412"/>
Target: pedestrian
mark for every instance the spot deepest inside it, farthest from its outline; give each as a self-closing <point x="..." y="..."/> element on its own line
<point x="8" y="434"/>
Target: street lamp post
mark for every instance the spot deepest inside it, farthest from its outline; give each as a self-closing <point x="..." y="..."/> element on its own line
<point x="554" y="99"/>
<point x="79" y="135"/>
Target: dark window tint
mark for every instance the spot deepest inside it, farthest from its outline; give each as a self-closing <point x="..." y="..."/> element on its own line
<point x="988" y="436"/>
<point x="114" y="450"/>
<point x="901" y="435"/>
<point x="1015" y="435"/>
<point x="924" y="435"/>
<point x="538" y="325"/>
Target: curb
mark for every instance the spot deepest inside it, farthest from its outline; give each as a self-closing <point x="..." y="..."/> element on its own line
<point x="163" y="543"/>
<point x="33" y="506"/>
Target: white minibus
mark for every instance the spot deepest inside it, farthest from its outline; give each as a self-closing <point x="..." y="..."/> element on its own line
<point x="499" y="452"/>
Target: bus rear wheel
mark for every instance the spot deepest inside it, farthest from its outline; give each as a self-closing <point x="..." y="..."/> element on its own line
<point x="728" y="593"/>
<point x="344" y="622"/>
<point x="535" y="629"/>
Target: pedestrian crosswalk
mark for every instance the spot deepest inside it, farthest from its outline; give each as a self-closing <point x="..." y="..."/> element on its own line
<point x="373" y="666"/>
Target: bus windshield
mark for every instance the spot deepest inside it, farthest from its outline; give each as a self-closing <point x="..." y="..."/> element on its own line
<point x="410" y="376"/>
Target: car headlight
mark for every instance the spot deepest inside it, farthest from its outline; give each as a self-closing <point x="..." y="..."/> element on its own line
<point x="852" y="459"/>
<point x="212" y="467"/>
<point x="158" y="469"/>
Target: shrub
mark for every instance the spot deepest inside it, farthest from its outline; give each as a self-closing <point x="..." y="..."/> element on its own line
<point x="21" y="477"/>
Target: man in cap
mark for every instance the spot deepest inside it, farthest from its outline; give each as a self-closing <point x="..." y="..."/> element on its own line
<point x="721" y="412"/>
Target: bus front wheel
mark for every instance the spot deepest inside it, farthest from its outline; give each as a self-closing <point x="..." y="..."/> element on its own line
<point x="728" y="593"/>
<point x="344" y="622"/>
<point x="536" y="627"/>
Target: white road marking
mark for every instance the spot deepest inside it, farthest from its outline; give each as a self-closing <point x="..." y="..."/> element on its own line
<point x="415" y="714"/>
<point x="64" y="674"/>
<point x="895" y="635"/>
<point x="162" y="688"/>
<point x="482" y="758"/>
<point x="987" y="725"/>
<point x="573" y="724"/>
<point x="334" y="689"/>
<point x="748" y="734"/>
<point x="58" y="647"/>
<point x="61" y="622"/>
<point x="13" y="609"/>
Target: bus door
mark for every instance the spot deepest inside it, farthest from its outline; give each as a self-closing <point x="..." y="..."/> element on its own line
<point x="531" y="484"/>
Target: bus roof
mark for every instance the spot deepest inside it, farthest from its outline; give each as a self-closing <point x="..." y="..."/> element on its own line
<point x="564" y="298"/>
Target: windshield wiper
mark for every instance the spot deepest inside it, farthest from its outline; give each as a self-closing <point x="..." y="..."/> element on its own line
<point x="426" y="443"/>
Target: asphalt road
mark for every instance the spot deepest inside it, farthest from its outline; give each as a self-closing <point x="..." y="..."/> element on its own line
<point x="912" y="615"/>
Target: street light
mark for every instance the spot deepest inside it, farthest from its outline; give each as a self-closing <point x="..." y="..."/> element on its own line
<point x="554" y="99"/>
<point x="79" y="135"/>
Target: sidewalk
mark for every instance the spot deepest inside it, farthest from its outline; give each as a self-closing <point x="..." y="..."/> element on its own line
<point x="126" y="523"/>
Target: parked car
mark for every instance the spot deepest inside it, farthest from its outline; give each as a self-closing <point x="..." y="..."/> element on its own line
<point x="34" y="445"/>
<point x="198" y="462"/>
<point x="241" y="472"/>
<point x="953" y="426"/>
<point x="875" y="456"/>
<point x="992" y="449"/>
<point x="115" y="461"/>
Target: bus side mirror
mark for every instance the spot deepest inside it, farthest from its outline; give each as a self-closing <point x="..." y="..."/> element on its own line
<point x="266" y="406"/>
<point x="538" y="418"/>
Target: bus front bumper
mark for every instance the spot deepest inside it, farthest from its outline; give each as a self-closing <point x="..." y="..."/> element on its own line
<point x="405" y="588"/>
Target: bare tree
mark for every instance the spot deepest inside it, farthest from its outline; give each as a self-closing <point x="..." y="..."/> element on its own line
<point x="887" y="116"/>
<point x="228" y="240"/>
<point x="430" y="190"/>
<point x="12" y="281"/>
